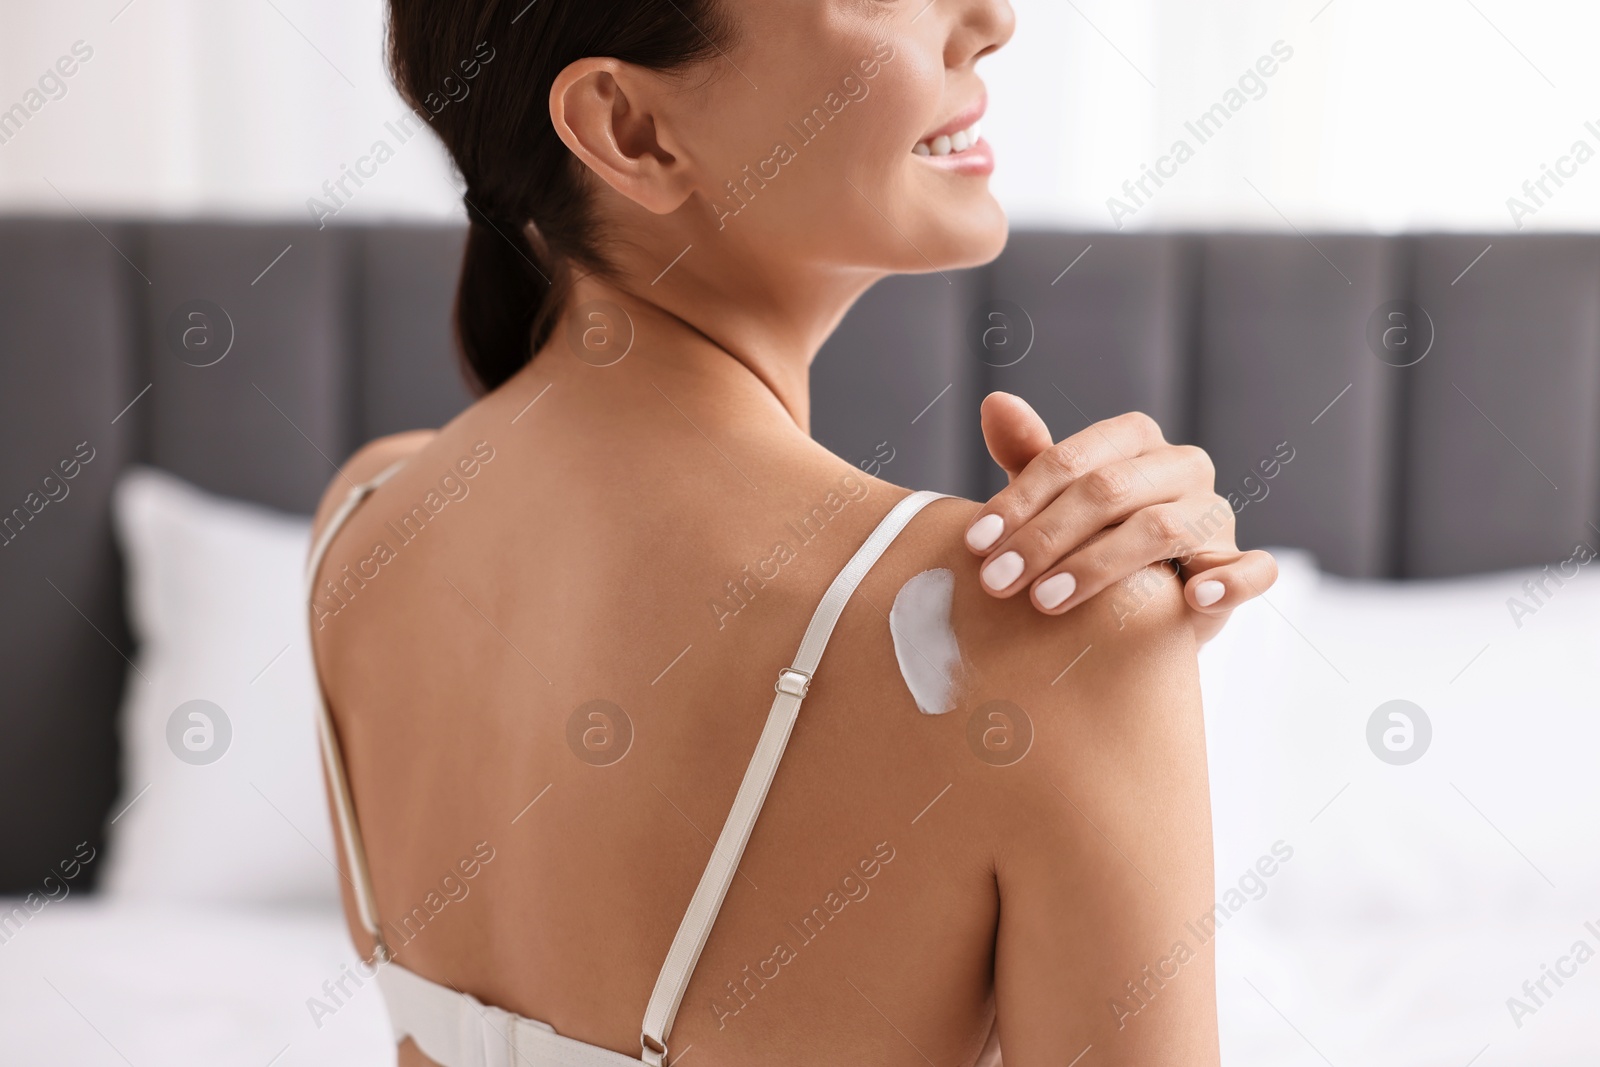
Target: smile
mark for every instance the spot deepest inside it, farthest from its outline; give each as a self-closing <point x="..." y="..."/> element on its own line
<point x="953" y="144"/>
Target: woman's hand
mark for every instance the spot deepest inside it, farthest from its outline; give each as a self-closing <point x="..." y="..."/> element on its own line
<point x="1105" y="503"/>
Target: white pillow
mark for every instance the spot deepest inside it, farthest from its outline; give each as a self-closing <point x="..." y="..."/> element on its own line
<point x="214" y="594"/>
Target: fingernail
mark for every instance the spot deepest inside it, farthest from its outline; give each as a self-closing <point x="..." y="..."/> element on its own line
<point x="1209" y="592"/>
<point x="1003" y="571"/>
<point x="1054" y="591"/>
<point x="985" y="532"/>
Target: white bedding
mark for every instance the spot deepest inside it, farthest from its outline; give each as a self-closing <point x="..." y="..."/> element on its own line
<point x="1420" y="897"/>
<point x="88" y="982"/>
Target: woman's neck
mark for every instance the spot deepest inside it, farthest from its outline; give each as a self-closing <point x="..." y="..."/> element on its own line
<point x="733" y="338"/>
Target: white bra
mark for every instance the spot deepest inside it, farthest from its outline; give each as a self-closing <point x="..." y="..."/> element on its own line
<point x="455" y="1029"/>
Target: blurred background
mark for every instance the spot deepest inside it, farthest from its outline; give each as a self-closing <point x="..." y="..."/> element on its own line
<point x="1423" y="115"/>
<point x="1368" y="283"/>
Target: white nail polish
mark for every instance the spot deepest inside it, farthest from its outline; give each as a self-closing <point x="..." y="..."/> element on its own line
<point x="1003" y="571"/>
<point x="1209" y="592"/>
<point x="1056" y="590"/>
<point x="985" y="532"/>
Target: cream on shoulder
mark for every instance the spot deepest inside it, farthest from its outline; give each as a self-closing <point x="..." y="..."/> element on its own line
<point x="925" y="642"/>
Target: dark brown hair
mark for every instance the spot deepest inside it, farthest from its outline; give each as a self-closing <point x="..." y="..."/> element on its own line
<point x="480" y="72"/>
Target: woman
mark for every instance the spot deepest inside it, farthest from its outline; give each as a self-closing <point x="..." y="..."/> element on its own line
<point x="552" y="721"/>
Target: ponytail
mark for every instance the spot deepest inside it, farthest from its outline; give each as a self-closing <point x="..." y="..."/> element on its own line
<point x="505" y="301"/>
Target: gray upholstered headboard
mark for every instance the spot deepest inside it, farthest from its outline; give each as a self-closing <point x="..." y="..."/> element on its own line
<point x="1482" y="455"/>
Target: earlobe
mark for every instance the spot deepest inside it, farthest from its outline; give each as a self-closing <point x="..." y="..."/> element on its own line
<point x="606" y="113"/>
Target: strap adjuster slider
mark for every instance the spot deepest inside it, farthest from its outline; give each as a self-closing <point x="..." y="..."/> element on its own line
<point x="793" y="682"/>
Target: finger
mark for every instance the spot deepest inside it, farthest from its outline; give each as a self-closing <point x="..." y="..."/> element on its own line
<point x="1108" y="496"/>
<point x="1013" y="431"/>
<point x="1152" y="535"/>
<point x="1219" y="590"/>
<point x="1221" y="552"/>
<point x="1122" y="439"/>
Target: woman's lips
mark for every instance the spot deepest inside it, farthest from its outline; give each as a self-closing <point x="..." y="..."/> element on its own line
<point x="966" y="118"/>
<point x="976" y="160"/>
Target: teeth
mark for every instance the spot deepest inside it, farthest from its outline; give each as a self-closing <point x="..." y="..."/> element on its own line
<point x="945" y="146"/>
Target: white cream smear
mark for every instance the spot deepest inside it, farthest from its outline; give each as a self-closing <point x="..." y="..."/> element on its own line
<point x="924" y="642"/>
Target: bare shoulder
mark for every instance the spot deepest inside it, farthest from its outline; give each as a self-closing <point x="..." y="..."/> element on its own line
<point x="1084" y="744"/>
<point x="367" y="462"/>
<point x="1105" y="694"/>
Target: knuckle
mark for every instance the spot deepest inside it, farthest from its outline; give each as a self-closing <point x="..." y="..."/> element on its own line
<point x="1142" y="424"/>
<point x="1069" y="459"/>
<point x="1215" y="524"/>
<point x="1041" y="541"/>
<point x="1023" y="499"/>
<point x="1200" y="460"/>
<point x="1110" y="486"/>
<point x="1167" y="524"/>
<point x="1007" y="503"/>
<point x="1094" y="568"/>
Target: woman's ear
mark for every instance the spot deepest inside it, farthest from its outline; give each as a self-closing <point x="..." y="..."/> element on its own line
<point x="607" y="113"/>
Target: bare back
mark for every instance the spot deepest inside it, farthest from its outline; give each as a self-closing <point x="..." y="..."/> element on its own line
<point x="549" y="661"/>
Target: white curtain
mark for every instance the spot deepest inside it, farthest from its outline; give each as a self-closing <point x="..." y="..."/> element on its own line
<point x="1386" y="114"/>
<point x="216" y="107"/>
<point x="1390" y="115"/>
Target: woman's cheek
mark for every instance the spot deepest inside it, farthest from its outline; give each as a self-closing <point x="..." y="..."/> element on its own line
<point x="910" y="90"/>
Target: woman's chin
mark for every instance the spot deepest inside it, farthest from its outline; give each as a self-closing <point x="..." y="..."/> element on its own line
<point x="994" y="240"/>
<point x="976" y="241"/>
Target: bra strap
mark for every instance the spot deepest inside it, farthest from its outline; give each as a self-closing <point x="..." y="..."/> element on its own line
<point x="355" y="853"/>
<point x="791" y="687"/>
